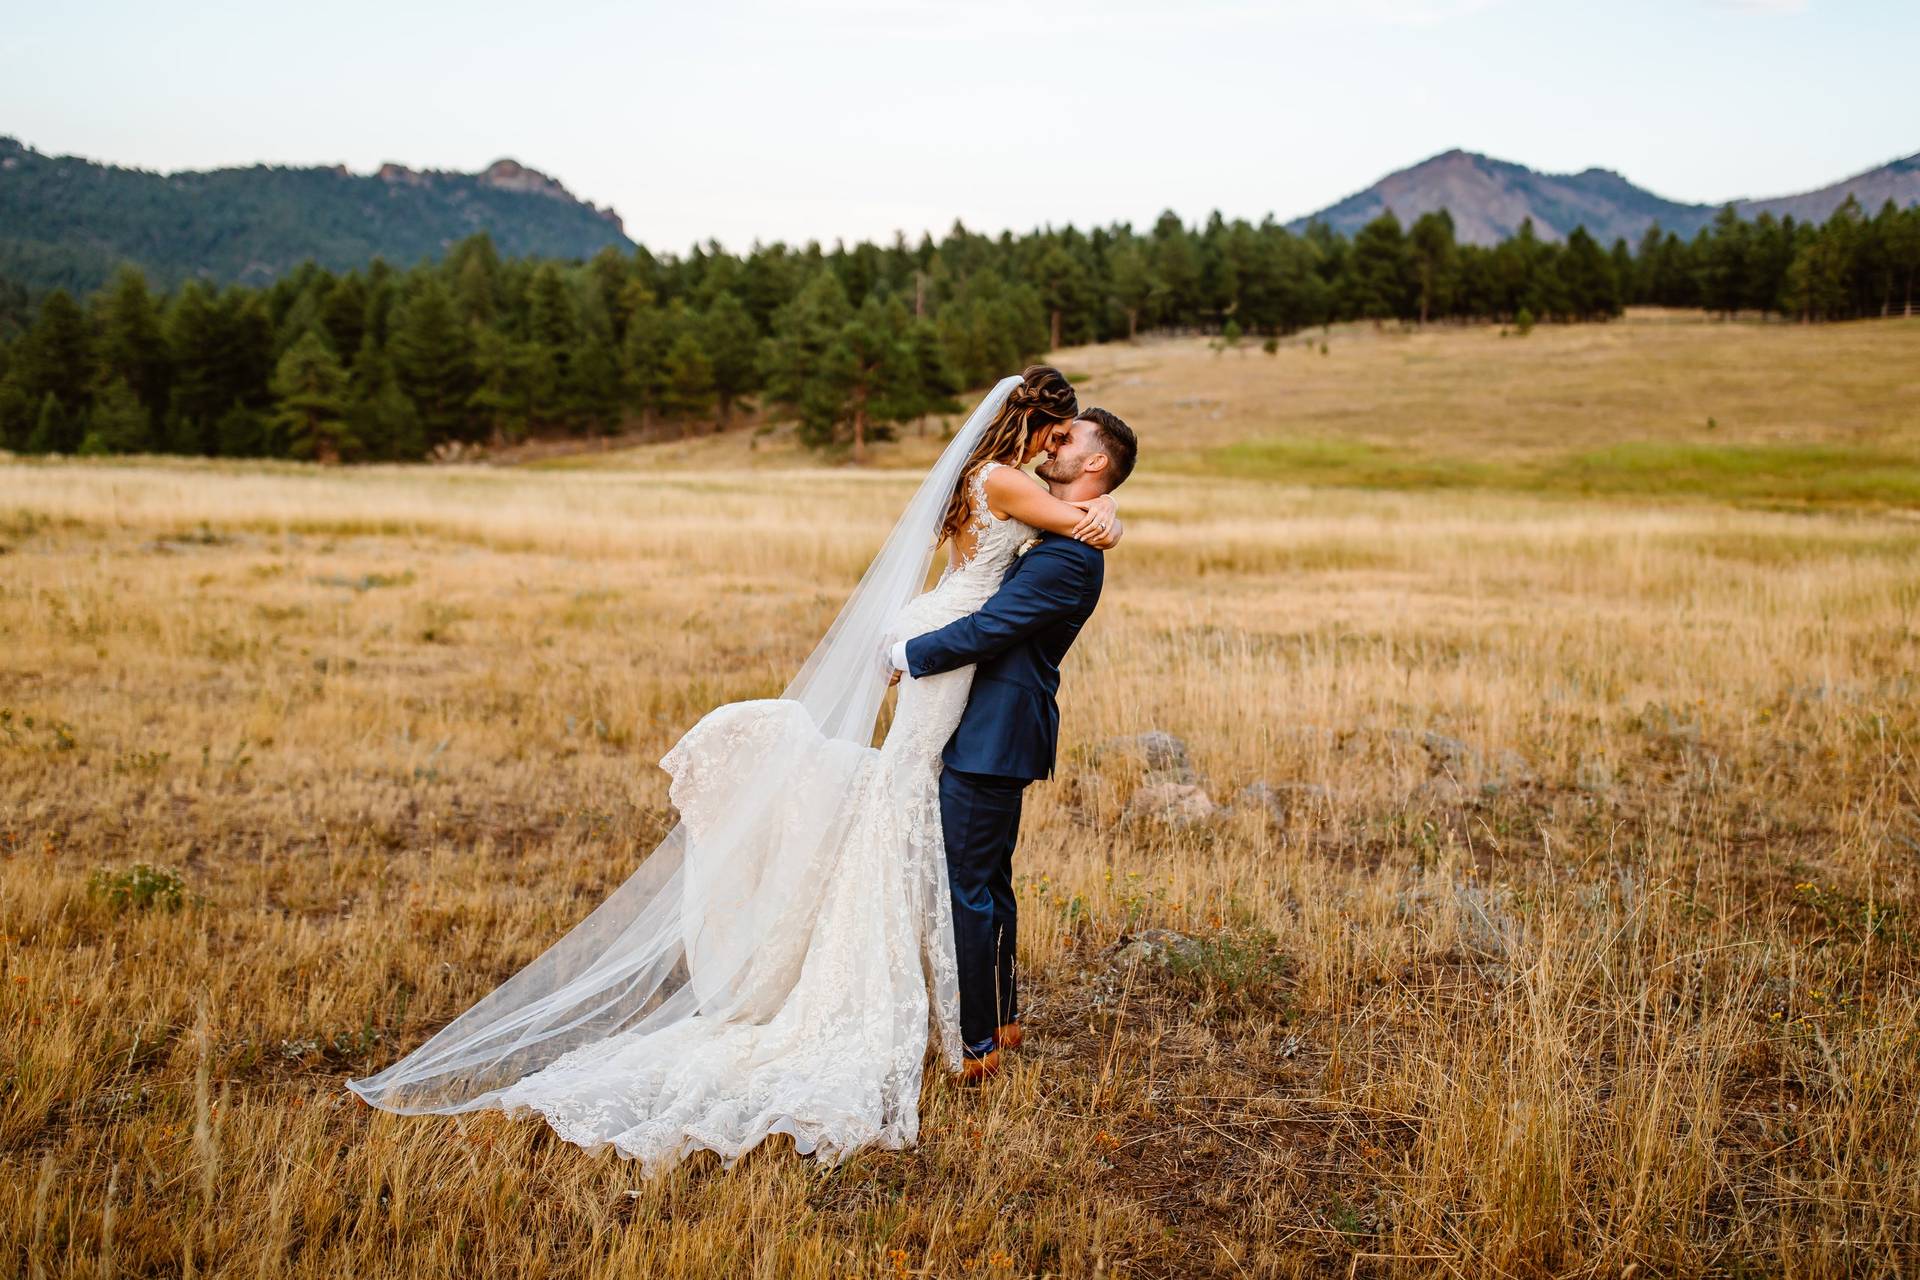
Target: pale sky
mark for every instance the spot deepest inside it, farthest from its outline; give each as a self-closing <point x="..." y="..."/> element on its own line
<point x="855" y="118"/>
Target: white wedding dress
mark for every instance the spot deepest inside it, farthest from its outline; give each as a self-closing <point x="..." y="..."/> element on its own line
<point x="822" y="925"/>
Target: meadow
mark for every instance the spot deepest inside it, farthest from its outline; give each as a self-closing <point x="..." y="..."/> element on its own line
<point x="1572" y="931"/>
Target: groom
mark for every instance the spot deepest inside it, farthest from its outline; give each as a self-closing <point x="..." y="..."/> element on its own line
<point x="1006" y="737"/>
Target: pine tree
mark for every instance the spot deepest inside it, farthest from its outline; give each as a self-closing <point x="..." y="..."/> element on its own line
<point x="1621" y="262"/>
<point x="1377" y="288"/>
<point x="686" y="380"/>
<point x="934" y="379"/>
<point x="1431" y="245"/>
<point x="1903" y="250"/>
<point x="1818" y="279"/>
<point x="1721" y="256"/>
<point x="344" y="313"/>
<point x="643" y="354"/>
<point x="119" y="423"/>
<point x="198" y="395"/>
<point x="379" y="415"/>
<point x="302" y="317"/>
<point x="880" y="387"/>
<point x="1175" y="270"/>
<point x="309" y="389"/>
<point x="501" y="399"/>
<point x="1063" y="287"/>
<point x="244" y="432"/>
<point x="806" y="367"/>
<point x="434" y="360"/>
<point x="608" y="276"/>
<point x="133" y="346"/>
<point x="17" y="418"/>
<point x="1133" y="284"/>
<point x="1587" y="278"/>
<point x="594" y="397"/>
<point x="731" y="342"/>
<point x="56" y="358"/>
<point x="553" y="335"/>
<point x="474" y="267"/>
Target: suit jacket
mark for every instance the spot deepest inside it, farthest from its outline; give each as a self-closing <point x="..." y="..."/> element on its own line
<point x="1011" y="727"/>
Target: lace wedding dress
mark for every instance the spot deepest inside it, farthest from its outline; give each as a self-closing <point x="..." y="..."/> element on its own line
<point x="821" y="941"/>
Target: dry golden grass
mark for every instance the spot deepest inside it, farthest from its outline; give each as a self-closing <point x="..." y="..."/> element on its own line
<point x="1616" y="969"/>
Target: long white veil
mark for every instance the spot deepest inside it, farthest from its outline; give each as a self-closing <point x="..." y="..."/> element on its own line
<point x="647" y="956"/>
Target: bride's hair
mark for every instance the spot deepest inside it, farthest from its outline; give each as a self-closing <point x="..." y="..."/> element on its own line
<point x="1043" y="399"/>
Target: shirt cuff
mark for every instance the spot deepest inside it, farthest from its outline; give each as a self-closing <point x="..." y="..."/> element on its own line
<point x="899" y="655"/>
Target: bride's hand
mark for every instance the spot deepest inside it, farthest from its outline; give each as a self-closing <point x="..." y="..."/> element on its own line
<point x="1102" y="515"/>
<point x="1108" y="540"/>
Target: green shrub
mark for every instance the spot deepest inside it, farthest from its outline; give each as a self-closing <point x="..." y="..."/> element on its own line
<point x="138" y="887"/>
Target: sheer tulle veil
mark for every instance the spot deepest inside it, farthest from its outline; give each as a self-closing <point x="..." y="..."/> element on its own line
<point x="678" y="938"/>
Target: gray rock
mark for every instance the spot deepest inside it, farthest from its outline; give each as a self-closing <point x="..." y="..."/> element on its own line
<point x="1178" y="804"/>
<point x="1509" y="770"/>
<point x="1512" y="769"/>
<point x="1441" y="789"/>
<point x="1449" y="753"/>
<point x="1278" y="798"/>
<point x="1162" y="755"/>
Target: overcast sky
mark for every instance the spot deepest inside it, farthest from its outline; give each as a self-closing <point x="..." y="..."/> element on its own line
<point x="853" y="118"/>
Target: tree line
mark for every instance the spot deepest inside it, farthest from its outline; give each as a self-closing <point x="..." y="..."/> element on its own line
<point x="849" y="343"/>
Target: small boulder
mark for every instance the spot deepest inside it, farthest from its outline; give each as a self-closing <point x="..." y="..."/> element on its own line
<point x="1162" y="749"/>
<point x="1512" y="769"/>
<point x="1175" y="803"/>
<point x="1508" y="771"/>
<point x="1449" y="753"/>
<point x="1163" y="754"/>
<point x="1441" y="789"/>
<point x="1278" y="798"/>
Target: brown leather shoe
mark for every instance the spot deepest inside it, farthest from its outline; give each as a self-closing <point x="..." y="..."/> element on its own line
<point x="1009" y="1035"/>
<point x="977" y="1071"/>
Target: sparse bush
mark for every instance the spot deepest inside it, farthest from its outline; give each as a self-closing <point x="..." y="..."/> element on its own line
<point x="1244" y="972"/>
<point x="139" y="887"/>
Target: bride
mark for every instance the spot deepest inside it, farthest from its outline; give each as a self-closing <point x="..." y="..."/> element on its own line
<point x="777" y="965"/>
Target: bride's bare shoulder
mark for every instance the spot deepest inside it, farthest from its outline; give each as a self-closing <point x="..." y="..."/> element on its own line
<point x="1003" y="479"/>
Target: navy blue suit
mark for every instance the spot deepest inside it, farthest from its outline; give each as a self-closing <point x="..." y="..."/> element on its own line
<point x="1007" y="737"/>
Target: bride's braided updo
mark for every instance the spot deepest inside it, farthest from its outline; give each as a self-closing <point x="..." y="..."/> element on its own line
<point x="1043" y="400"/>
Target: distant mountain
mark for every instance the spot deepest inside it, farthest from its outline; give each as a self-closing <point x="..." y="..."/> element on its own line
<point x="1898" y="182"/>
<point x="67" y="221"/>
<point x="1488" y="199"/>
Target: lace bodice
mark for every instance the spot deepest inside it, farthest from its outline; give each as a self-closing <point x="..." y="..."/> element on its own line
<point x="996" y="541"/>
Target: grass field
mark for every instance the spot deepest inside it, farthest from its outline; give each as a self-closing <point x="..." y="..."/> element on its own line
<point x="1578" y="937"/>
<point x="1657" y="405"/>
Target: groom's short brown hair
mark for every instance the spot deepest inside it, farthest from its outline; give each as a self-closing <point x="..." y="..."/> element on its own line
<point x="1116" y="441"/>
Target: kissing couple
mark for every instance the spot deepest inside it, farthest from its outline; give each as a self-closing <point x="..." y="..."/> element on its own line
<point x="826" y="908"/>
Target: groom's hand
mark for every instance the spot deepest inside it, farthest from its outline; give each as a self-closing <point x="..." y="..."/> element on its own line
<point x="891" y="657"/>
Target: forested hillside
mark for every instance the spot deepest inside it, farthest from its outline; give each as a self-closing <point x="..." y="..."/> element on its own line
<point x="70" y="223"/>
<point x="381" y="363"/>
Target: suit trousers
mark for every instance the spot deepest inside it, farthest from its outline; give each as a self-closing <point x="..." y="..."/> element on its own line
<point x="980" y="817"/>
